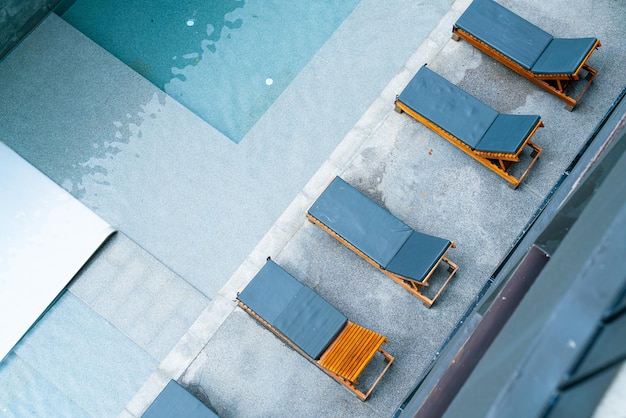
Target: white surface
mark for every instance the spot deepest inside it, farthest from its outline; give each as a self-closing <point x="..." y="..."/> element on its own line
<point x="46" y="236"/>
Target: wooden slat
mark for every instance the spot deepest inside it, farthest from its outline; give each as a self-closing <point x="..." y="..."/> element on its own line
<point x="351" y="352"/>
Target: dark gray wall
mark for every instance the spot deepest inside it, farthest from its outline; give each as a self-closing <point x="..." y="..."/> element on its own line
<point x="18" y="17"/>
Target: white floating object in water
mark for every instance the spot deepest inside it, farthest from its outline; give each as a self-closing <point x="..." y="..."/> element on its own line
<point x="191" y="22"/>
<point x="269" y="81"/>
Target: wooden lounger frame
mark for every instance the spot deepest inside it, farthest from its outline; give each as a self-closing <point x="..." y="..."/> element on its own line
<point x="346" y="357"/>
<point x="415" y="288"/>
<point x="499" y="163"/>
<point x="553" y="83"/>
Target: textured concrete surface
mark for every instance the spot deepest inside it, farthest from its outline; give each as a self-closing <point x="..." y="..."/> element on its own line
<point x="238" y="367"/>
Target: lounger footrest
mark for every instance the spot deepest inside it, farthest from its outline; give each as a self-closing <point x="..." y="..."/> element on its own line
<point x="350" y="353"/>
<point x="415" y="288"/>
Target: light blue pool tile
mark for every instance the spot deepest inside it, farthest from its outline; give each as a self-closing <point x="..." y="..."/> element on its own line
<point x="137" y="294"/>
<point x="88" y="359"/>
<point x="26" y="393"/>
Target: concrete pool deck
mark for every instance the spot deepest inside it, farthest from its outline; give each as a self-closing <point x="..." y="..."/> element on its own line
<point x="239" y="368"/>
<point x="243" y="370"/>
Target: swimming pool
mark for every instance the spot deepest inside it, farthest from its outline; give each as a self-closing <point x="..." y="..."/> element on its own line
<point x="227" y="61"/>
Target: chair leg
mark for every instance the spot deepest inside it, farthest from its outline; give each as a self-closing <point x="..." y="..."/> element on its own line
<point x="396" y="107"/>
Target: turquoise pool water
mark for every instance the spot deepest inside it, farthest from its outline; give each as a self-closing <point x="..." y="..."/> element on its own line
<point x="227" y="61"/>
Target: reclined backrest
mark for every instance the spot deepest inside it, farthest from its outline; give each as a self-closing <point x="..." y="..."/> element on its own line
<point x="507" y="133"/>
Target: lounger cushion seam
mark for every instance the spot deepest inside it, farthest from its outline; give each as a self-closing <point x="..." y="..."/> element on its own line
<point x="310" y="322"/>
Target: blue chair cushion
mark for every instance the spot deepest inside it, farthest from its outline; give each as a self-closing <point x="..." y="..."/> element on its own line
<point x="563" y="56"/>
<point x="418" y="256"/>
<point x="310" y="322"/>
<point x="360" y="221"/>
<point x="174" y="402"/>
<point x="295" y="310"/>
<point x="270" y="292"/>
<point x="504" y="31"/>
<point x="507" y="133"/>
<point x="447" y="106"/>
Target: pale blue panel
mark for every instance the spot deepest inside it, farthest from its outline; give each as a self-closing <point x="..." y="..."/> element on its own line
<point x="90" y="361"/>
<point x="26" y="393"/>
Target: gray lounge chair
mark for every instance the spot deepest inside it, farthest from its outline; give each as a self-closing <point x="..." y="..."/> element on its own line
<point x="495" y="140"/>
<point x="312" y="326"/>
<point x="408" y="257"/>
<point x="551" y="63"/>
